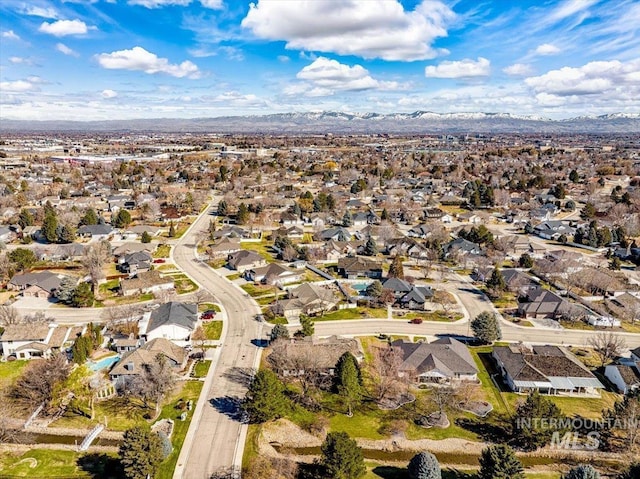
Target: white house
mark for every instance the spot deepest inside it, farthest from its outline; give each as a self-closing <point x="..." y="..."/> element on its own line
<point x="626" y="378"/>
<point x="174" y="321"/>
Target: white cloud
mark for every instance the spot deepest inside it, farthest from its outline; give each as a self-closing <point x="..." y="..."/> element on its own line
<point x="212" y="4"/>
<point x="466" y="68"/>
<point x="19" y="60"/>
<point x="283" y="58"/>
<point x="62" y="48"/>
<point x="18" y="86"/>
<point x="63" y="28"/>
<point x="43" y="12"/>
<point x="608" y="78"/>
<point x="10" y="35"/>
<point x="547" y="49"/>
<point x="369" y="29"/>
<point x="108" y="94"/>
<point x="569" y="8"/>
<point x="518" y="69"/>
<point x="139" y="59"/>
<point x="325" y="76"/>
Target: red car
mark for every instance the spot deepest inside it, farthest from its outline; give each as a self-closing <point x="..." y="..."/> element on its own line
<point x="208" y="315"/>
<point x="159" y="260"/>
<point x="416" y="321"/>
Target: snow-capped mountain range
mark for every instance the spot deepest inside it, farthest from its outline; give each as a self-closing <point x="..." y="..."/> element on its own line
<point x="419" y="122"/>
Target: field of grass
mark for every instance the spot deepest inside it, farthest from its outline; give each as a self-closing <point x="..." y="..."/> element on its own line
<point x="162" y="251"/>
<point x="9" y="371"/>
<point x="57" y="464"/>
<point x="263" y="248"/>
<point x="201" y="369"/>
<point x="255" y="290"/>
<point x="202" y="307"/>
<point x="212" y="330"/>
<point x="353" y="313"/>
<point x="184" y="285"/>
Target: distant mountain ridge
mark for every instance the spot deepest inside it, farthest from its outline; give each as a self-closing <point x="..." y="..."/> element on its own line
<point x="337" y="122"/>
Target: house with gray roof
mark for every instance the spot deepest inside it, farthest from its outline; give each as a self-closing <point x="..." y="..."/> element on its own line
<point x="443" y="361"/>
<point x="244" y="259"/>
<point x="174" y="321"/>
<point x="546" y="369"/>
<point x="540" y="303"/>
<point x="41" y="284"/>
<point x="96" y="232"/>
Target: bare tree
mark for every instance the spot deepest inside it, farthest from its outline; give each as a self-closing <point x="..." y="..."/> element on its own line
<point x="94" y="258"/>
<point x="38" y="382"/>
<point x="156" y="381"/>
<point x="385" y="371"/>
<point x="9" y="315"/>
<point x="38" y="317"/>
<point x="607" y="345"/>
<point x="199" y="338"/>
<point x="442" y="397"/>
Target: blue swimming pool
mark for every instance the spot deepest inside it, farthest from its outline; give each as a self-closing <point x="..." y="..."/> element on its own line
<point x="104" y="363"/>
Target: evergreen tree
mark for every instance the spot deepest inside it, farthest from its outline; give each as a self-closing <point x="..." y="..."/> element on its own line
<point x="633" y="472"/>
<point x="265" y="398"/>
<point x="140" y="453"/>
<point x="243" y="214"/>
<point x="496" y="281"/>
<point x="583" y="471"/>
<point x="424" y="465"/>
<point x="374" y="289"/>
<point x="90" y="217"/>
<point x="64" y="293"/>
<point x="307" y="325"/>
<point x="122" y="219"/>
<point x="486" y="328"/>
<point x="83" y="296"/>
<point x="347" y="219"/>
<point x="588" y="211"/>
<point x="81" y="349"/>
<point x="500" y="462"/>
<point x="384" y="215"/>
<point x="66" y="234"/>
<point x="223" y="208"/>
<point x="212" y="229"/>
<point x="279" y="331"/>
<point x="172" y="230"/>
<point x="25" y="219"/>
<point x="50" y="227"/>
<point x="22" y="258"/>
<point x="370" y="247"/>
<point x="574" y="176"/>
<point x="534" y="422"/>
<point x="146" y="237"/>
<point x="525" y="261"/>
<point x="341" y="457"/>
<point x="396" y="270"/>
<point x="347" y="379"/>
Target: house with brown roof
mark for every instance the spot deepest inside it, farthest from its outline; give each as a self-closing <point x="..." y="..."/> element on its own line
<point x="244" y="260"/>
<point x="309" y="299"/>
<point x="41" y="284"/>
<point x="145" y="282"/>
<point x="273" y="274"/>
<point x="443" y="361"/>
<point x="224" y="247"/>
<point x="36" y="340"/>
<point x="133" y="363"/>
<point x="546" y="369"/>
<point x="353" y="267"/>
<point x="626" y="378"/>
<point x="541" y="303"/>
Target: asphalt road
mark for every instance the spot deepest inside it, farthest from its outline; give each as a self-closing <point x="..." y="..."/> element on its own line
<point x="218" y="438"/>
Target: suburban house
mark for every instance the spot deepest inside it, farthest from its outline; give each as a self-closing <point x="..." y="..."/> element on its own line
<point x="546" y="369"/>
<point x="36" y="340"/>
<point x="244" y="259"/>
<point x="337" y="233"/>
<point x="131" y="247"/>
<point x="442" y="361"/>
<point x="462" y="246"/>
<point x="554" y="229"/>
<point x="96" y="232"/>
<point x="42" y="284"/>
<point x="224" y="247"/>
<point x="273" y="274"/>
<point x="294" y="358"/>
<point x="416" y="298"/>
<point x="309" y="299"/>
<point x="133" y="363"/>
<point x="358" y="267"/>
<point x="626" y="378"/>
<point x="539" y="303"/>
<point x="145" y="282"/>
<point x="136" y="262"/>
<point x="124" y="344"/>
<point x="174" y="320"/>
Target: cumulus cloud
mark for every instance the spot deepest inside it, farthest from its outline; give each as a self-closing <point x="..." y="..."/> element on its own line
<point x="10" y="35"/>
<point x="466" y="68"/>
<point x="518" y="69"/>
<point x="139" y="59"/>
<point x="19" y="86"/>
<point x="603" y="77"/>
<point x="62" y="48"/>
<point x="547" y="49"/>
<point x="370" y="29"/>
<point x="325" y="76"/>
<point x="108" y="94"/>
<point x="62" y="28"/>
<point x="212" y="4"/>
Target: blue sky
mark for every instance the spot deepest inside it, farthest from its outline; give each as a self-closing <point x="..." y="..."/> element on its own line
<point x="119" y="59"/>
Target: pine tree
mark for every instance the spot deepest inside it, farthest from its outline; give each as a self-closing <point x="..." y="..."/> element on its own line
<point x="22" y="258"/>
<point x="533" y="423"/>
<point x="347" y="379"/>
<point x="50" y="227"/>
<point x="583" y="471"/>
<point x="83" y="296"/>
<point x="347" y="219"/>
<point x="64" y="292"/>
<point x="496" y="282"/>
<point x="279" y="331"/>
<point x="396" y="270"/>
<point x="25" y="219"/>
<point x="500" y="462"/>
<point x="243" y="214"/>
<point x="341" y="457"/>
<point x="140" y="453"/>
<point x="307" y="325"/>
<point x="223" y="208"/>
<point x="370" y="247"/>
<point x="265" y="399"/>
<point x="374" y="289"/>
<point x="486" y="328"/>
<point x="424" y="465"/>
<point x="525" y="261"/>
<point x="146" y="237"/>
<point x="90" y="217"/>
<point x="122" y="219"/>
<point x="172" y="230"/>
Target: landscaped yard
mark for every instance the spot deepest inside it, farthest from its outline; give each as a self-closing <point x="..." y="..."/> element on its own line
<point x="201" y="369"/>
<point x="256" y="290"/>
<point x="57" y="464"/>
<point x="202" y="307"/>
<point x="162" y="251"/>
<point x="263" y="248"/>
<point x="9" y="371"/>
<point x="212" y="330"/>
<point x="353" y="313"/>
<point x="183" y="284"/>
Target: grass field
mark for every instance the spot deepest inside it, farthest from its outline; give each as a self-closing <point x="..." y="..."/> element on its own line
<point x="201" y="369"/>
<point x="162" y="251"/>
<point x="353" y="313"/>
<point x="57" y="464"/>
<point x="9" y="371"/>
<point x="212" y="330"/>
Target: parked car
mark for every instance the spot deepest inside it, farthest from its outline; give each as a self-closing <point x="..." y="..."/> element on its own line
<point x="209" y="314"/>
<point x="159" y="260"/>
<point x="416" y="321"/>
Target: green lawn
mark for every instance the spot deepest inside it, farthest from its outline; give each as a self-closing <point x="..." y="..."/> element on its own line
<point x="202" y="307"/>
<point x="263" y="248"/>
<point x="255" y="290"/>
<point x="184" y="285"/>
<point x="201" y="369"/>
<point x="353" y="313"/>
<point x="9" y="371"/>
<point x="212" y="330"/>
<point x="162" y="251"/>
<point x="56" y="464"/>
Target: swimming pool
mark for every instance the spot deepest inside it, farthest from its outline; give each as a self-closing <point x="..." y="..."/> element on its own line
<point x="104" y="363"/>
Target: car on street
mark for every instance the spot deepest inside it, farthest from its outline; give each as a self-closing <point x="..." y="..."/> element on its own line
<point x="209" y="314"/>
